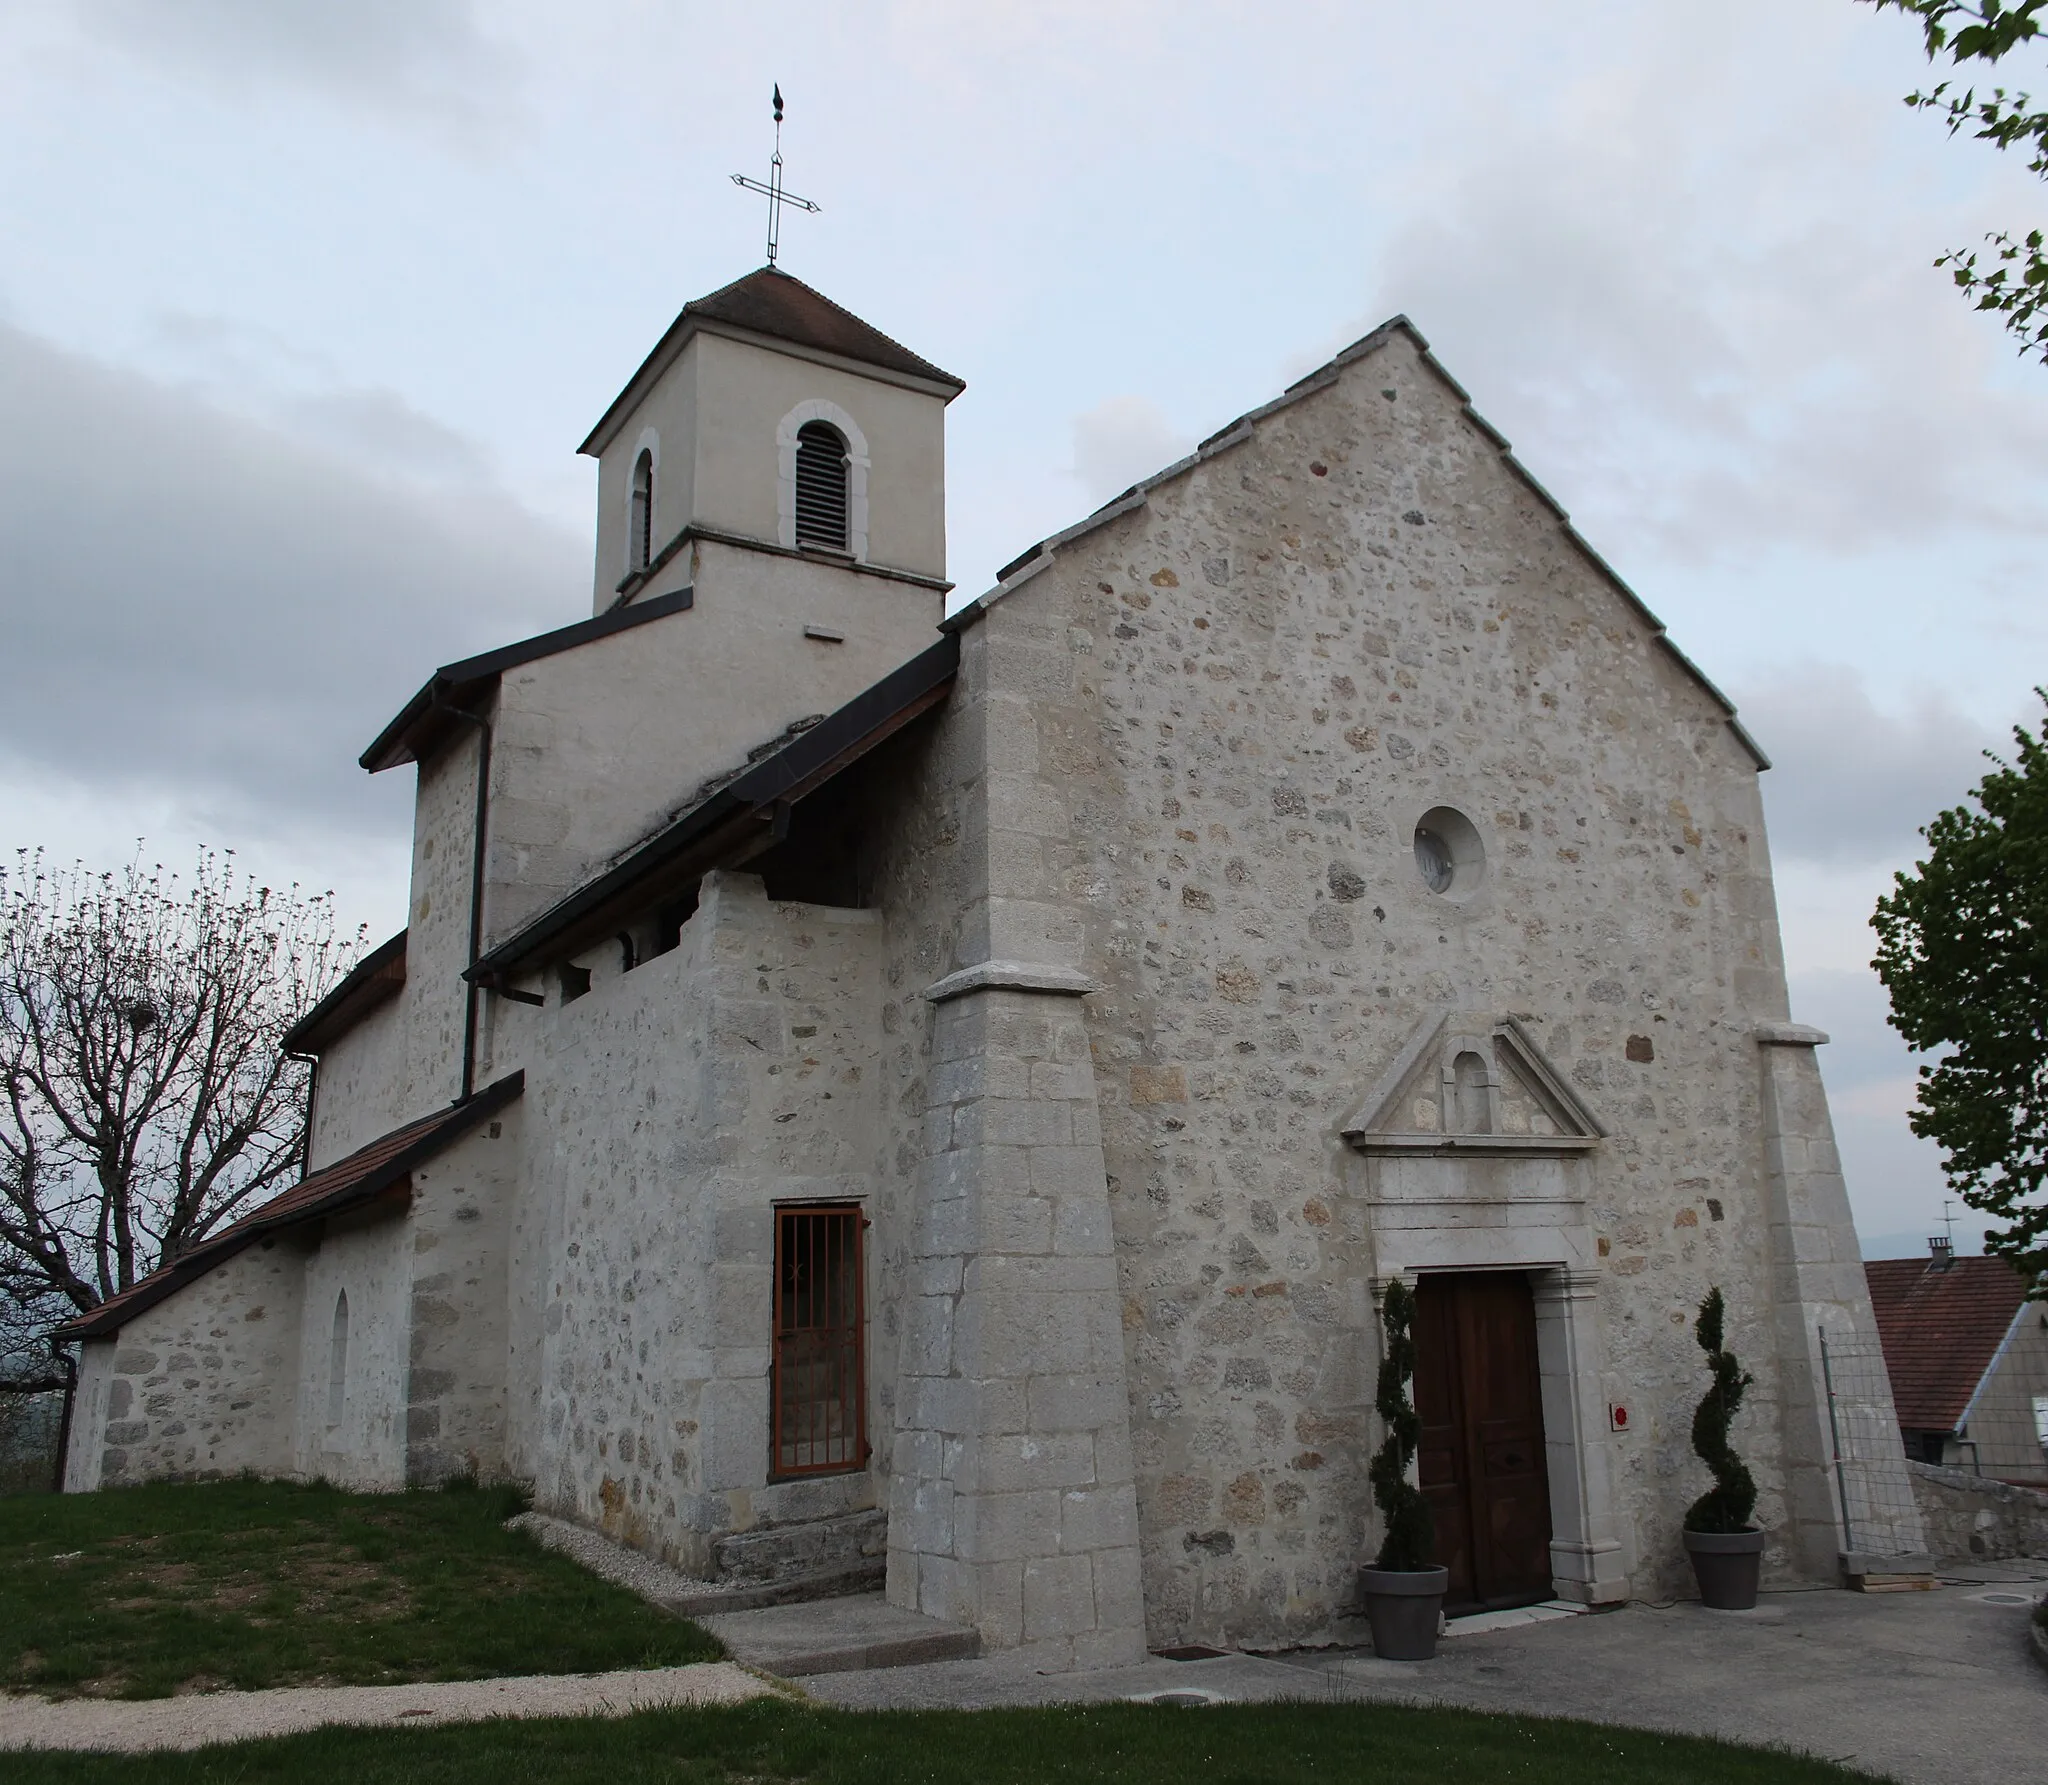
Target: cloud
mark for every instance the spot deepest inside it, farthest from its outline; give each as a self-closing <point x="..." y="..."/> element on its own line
<point x="1666" y="280"/>
<point x="200" y="602"/>
<point x="1852" y="783"/>
<point x="1120" y="441"/>
<point x="425" y="58"/>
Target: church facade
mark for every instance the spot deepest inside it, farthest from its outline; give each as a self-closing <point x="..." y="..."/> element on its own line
<point x="953" y="1087"/>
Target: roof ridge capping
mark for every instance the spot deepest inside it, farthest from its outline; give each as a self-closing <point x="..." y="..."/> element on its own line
<point x="1035" y="558"/>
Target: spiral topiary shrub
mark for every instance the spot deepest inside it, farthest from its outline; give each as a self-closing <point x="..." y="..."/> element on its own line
<point x="1410" y="1531"/>
<point x="1727" y="1506"/>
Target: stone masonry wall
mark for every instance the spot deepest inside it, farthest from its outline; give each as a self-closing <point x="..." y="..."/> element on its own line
<point x="366" y="1256"/>
<point x="202" y="1384"/>
<point x="1971" y="1518"/>
<point x="667" y="1111"/>
<point x="1220" y="718"/>
<point x="457" y="1314"/>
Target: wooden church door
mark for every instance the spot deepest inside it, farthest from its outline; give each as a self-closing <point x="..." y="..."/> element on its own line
<point x="1482" y="1465"/>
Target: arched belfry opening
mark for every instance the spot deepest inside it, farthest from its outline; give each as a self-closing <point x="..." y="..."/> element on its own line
<point x="640" y="543"/>
<point x="822" y="463"/>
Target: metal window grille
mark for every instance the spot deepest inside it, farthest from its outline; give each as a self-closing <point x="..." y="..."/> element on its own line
<point x="820" y="1394"/>
<point x="820" y="486"/>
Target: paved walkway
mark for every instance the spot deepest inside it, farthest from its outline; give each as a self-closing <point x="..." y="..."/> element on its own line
<point x="1932" y="1688"/>
<point x="135" y="1725"/>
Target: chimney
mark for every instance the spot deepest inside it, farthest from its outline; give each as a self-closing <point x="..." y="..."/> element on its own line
<point x="1943" y="1254"/>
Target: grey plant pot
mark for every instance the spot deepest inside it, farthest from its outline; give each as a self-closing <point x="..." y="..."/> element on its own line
<point x="1404" y="1608"/>
<point x="1727" y="1565"/>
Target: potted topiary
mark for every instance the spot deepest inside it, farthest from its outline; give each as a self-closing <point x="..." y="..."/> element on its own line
<point x="1403" y="1589"/>
<point x="1727" y="1550"/>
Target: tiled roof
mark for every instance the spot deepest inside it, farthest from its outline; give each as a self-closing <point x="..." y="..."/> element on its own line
<point x="770" y="302"/>
<point x="347" y="1183"/>
<point x="1941" y="1328"/>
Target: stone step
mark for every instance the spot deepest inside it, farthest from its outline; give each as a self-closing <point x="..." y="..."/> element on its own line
<point x="769" y="1555"/>
<point x="866" y="1574"/>
<point x="839" y="1636"/>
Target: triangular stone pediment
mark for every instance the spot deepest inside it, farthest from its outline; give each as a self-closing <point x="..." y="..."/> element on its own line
<point x="1472" y="1082"/>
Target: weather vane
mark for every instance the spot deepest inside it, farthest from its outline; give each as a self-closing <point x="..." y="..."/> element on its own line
<point x="773" y="191"/>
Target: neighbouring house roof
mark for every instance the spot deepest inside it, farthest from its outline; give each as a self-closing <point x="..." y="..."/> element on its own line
<point x="771" y="303"/>
<point x="1035" y="558"/>
<point x="426" y="718"/>
<point x="382" y="1167"/>
<point x="379" y="975"/>
<point x="1942" y="1329"/>
<point x="731" y="820"/>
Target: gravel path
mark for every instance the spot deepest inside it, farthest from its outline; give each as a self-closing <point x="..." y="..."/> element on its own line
<point x="637" y="1572"/>
<point x="135" y="1726"/>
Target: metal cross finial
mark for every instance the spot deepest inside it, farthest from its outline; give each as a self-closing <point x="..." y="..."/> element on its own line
<point x="773" y="191"/>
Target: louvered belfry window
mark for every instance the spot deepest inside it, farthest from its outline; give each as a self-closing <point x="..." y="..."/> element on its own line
<point x="820" y="1400"/>
<point x="821" y="486"/>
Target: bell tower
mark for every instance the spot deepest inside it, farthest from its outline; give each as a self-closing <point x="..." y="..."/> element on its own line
<point x="769" y="420"/>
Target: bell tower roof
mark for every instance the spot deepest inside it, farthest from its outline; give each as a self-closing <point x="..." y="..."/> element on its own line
<point x="770" y="306"/>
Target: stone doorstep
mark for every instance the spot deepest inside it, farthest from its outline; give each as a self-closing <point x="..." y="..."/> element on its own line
<point x="770" y="1554"/>
<point x="1479" y="1623"/>
<point x="865" y="1575"/>
<point x="839" y="1636"/>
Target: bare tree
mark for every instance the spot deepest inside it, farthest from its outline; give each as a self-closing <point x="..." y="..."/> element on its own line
<point x="147" y="1097"/>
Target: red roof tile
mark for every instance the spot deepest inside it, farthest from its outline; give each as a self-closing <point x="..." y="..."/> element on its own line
<point x="1940" y="1328"/>
<point x="347" y="1183"/>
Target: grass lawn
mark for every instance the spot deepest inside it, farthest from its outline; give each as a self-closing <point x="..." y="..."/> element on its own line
<point x="141" y="1592"/>
<point x="777" y="1743"/>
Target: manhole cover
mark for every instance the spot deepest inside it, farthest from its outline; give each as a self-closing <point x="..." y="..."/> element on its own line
<point x="1182" y="1696"/>
<point x="2002" y="1598"/>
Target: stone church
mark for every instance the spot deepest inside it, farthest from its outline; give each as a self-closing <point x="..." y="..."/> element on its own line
<point x="940" y="1093"/>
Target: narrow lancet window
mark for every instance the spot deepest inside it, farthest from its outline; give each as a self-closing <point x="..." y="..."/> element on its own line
<point x="337" y="1363"/>
<point x="821" y="467"/>
<point x="641" y="549"/>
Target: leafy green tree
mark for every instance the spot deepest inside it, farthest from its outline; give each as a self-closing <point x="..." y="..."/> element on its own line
<point x="1963" y="951"/>
<point x="2010" y="275"/>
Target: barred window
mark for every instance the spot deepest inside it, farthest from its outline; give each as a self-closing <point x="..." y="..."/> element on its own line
<point x="820" y="1399"/>
<point x="821" y="505"/>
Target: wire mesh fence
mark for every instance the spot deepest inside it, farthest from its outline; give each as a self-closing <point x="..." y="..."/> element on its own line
<point x="1873" y="1488"/>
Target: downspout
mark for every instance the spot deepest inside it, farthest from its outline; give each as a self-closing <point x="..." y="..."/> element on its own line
<point x="471" y="990"/>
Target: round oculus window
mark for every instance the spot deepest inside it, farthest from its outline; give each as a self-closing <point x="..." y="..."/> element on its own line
<point x="1448" y="853"/>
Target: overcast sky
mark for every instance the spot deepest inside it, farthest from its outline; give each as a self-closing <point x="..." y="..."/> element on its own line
<point x="304" y="305"/>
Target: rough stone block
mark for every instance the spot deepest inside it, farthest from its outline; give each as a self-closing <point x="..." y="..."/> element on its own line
<point x="1016" y="1462"/>
<point x="1093" y="1518"/>
<point x="1081" y="1228"/>
<point x="1036" y="1274"/>
<point x="1119" y="1590"/>
<point x="927" y="1344"/>
<point x="1077" y="1403"/>
<point x="1059" y="1596"/>
<point x="1006" y="1527"/>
